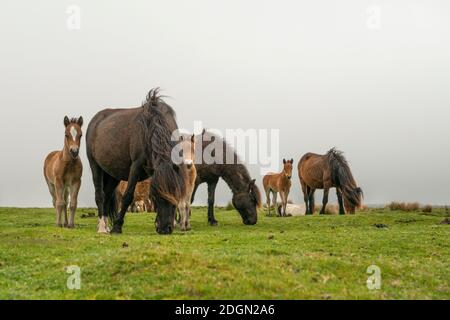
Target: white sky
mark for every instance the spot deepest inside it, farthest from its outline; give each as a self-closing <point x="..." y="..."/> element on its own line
<point x="324" y="72"/>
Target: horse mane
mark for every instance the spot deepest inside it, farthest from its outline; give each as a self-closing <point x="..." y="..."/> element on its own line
<point x="342" y="177"/>
<point x="236" y="175"/>
<point x="158" y="145"/>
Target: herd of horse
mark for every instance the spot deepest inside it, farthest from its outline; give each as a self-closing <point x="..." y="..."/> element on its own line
<point x="129" y="153"/>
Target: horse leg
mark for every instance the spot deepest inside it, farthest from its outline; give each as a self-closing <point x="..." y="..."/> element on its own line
<point x="282" y="208"/>
<point x="188" y="213"/>
<point x="341" y="202"/>
<point x="110" y="207"/>
<point x="286" y="203"/>
<point x="98" y="176"/>
<point x="128" y="198"/>
<point x="305" y="196"/>
<point x="211" y="194"/>
<point x="274" y="201"/>
<point x="74" y="189"/>
<point x="268" y="200"/>
<point x="147" y="204"/>
<point x="325" y="200"/>
<point x="51" y="188"/>
<point x="197" y="183"/>
<point x="311" y="201"/>
<point x="60" y="204"/>
<point x="66" y="201"/>
<point x="184" y="216"/>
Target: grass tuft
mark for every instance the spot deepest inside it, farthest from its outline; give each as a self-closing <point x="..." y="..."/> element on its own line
<point x="404" y="206"/>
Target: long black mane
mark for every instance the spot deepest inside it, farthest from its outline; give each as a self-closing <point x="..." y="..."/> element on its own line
<point x="342" y="177"/>
<point x="166" y="180"/>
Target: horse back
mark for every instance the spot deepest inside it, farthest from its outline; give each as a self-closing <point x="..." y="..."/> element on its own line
<point x="111" y="138"/>
<point x="312" y="168"/>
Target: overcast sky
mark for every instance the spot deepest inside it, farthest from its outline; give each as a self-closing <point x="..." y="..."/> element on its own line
<point x="369" y="77"/>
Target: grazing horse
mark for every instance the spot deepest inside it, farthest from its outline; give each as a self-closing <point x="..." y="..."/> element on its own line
<point x="63" y="170"/>
<point x="190" y="175"/>
<point x="246" y="197"/>
<point x="141" y="201"/>
<point x="328" y="171"/>
<point x="279" y="183"/>
<point x="133" y="145"/>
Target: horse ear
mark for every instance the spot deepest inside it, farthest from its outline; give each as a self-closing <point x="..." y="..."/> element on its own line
<point x="66" y="121"/>
<point x="292" y="161"/>
<point x="181" y="137"/>
<point x="204" y="131"/>
<point x="80" y="121"/>
<point x="193" y="138"/>
<point x="284" y="161"/>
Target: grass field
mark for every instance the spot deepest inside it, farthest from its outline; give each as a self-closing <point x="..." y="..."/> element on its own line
<point x="314" y="257"/>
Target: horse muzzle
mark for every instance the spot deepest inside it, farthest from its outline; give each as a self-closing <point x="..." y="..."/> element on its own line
<point x="74" y="152"/>
<point x="167" y="230"/>
<point x="250" y="222"/>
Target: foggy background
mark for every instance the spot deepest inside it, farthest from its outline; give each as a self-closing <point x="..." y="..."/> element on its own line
<point x="369" y="77"/>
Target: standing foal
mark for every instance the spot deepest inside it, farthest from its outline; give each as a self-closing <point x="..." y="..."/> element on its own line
<point x="63" y="170"/>
<point x="279" y="182"/>
<point x="190" y="175"/>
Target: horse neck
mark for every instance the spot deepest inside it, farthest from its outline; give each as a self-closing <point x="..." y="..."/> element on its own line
<point x="190" y="175"/>
<point x="65" y="155"/>
<point x="237" y="182"/>
<point x="282" y="174"/>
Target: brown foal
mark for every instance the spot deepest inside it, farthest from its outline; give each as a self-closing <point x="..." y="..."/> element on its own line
<point x="141" y="200"/>
<point x="63" y="170"/>
<point x="190" y="175"/>
<point x="279" y="183"/>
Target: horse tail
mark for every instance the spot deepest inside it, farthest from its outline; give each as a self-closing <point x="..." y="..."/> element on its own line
<point x="342" y="178"/>
<point x="167" y="179"/>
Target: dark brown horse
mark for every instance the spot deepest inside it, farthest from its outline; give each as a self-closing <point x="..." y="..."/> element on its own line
<point x="132" y="145"/>
<point x="246" y="196"/>
<point x="328" y="171"/>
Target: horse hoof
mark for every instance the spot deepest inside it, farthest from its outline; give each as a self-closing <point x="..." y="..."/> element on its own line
<point x="213" y="223"/>
<point x="116" y="230"/>
<point x="59" y="225"/>
<point x="70" y="226"/>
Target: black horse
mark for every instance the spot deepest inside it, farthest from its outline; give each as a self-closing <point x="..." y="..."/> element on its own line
<point x="131" y="145"/>
<point x="246" y="196"/>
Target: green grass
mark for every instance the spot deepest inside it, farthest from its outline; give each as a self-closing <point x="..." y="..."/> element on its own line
<point x="314" y="257"/>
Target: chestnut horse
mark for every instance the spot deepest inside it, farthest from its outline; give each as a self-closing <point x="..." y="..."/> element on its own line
<point x="133" y="145"/>
<point x="141" y="201"/>
<point x="63" y="170"/>
<point x="279" y="183"/>
<point x="328" y="171"/>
